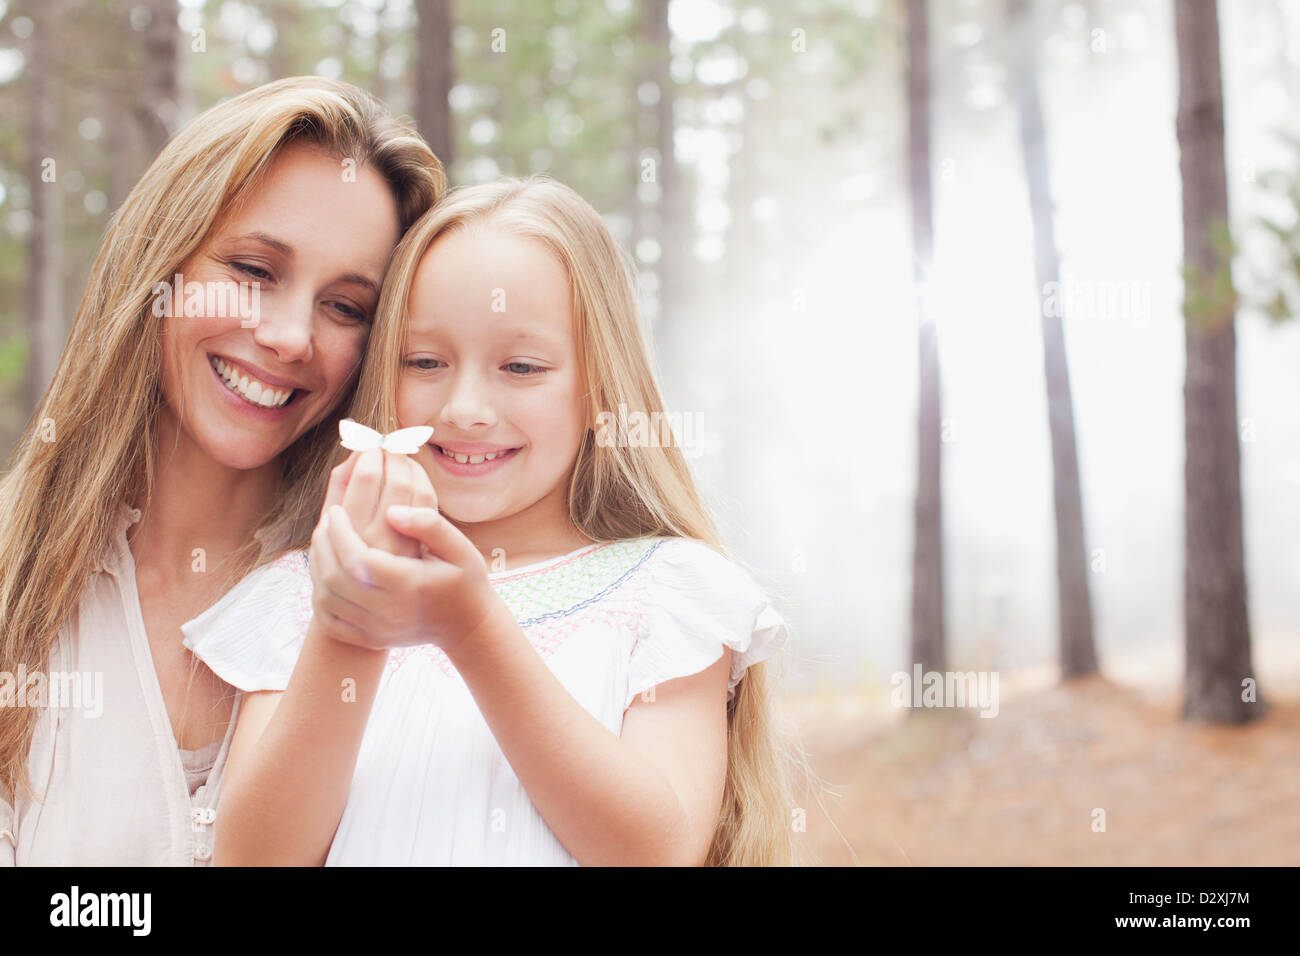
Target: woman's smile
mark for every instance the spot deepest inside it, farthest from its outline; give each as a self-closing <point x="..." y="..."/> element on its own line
<point x="251" y="393"/>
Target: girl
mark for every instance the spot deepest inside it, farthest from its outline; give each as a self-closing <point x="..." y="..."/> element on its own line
<point x="168" y="483"/>
<point x="597" y="697"/>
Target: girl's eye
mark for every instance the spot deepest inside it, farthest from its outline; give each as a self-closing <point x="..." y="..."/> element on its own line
<point x="523" y="368"/>
<point x="255" y="271"/>
<point x="423" y="364"/>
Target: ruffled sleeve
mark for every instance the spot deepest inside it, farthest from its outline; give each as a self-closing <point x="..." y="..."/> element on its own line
<point x="8" y="838"/>
<point x="251" y="637"/>
<point x="699" y="602"/>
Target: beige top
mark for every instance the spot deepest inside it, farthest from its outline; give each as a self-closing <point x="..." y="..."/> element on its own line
<point x="112" y="788"/>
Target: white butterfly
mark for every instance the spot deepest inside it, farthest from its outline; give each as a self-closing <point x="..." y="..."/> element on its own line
<point x="404" y="441"/>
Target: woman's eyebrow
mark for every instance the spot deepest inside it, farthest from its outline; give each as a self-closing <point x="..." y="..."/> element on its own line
<point x="354" y="278"/>
<point x="276" y="244"/>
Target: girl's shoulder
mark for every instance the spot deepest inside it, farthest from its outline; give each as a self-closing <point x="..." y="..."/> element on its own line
<point x="680" y="600"/>
<point x="698" y="603"/>
<point x="251" y="636"/>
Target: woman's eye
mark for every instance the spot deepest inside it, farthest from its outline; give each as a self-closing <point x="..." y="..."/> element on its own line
<point x="523" y="368"/>
<point x="255" y="271"/>
<point x="348" y="311"/>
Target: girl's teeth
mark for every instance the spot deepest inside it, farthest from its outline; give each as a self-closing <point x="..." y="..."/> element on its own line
<point x="472" y="459"/>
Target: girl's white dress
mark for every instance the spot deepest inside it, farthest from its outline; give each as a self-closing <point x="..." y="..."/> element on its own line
<point x="611" y="620"/>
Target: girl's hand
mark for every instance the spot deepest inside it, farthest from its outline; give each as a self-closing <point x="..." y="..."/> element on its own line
<point x="362" y="488"/>
<point x="377" y="480"/>
<point x="380" y="600"/>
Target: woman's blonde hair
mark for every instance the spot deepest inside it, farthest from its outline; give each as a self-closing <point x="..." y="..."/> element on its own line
<point x="61" y="499"/>
<point x="615" y="492"/>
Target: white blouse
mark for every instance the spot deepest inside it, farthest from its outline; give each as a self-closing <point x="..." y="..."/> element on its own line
<point x="110" y="785"/>
<point x="612" y="620"/>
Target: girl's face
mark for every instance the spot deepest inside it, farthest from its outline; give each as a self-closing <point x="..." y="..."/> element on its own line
<point x="244" y="386"/>
<point x="491" y="362"/>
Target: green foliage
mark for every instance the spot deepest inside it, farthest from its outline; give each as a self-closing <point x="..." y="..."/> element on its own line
<point x="1276" y="286"/>
<point x="560" y="97"/>
<point x="1209" y="297"/>
<point x="13" y="359"/>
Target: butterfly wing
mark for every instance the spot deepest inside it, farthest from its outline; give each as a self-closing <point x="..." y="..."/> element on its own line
<point x="407" y="441"/>
<point x="357" y="437"/>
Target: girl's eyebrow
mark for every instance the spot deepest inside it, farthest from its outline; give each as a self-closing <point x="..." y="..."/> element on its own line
<point x="515" y="336"/>
<point x="353" y="278"/>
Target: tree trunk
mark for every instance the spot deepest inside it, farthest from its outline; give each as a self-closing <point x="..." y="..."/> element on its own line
<point x="287" y="18"/>
<point x="674" y="211"/>
<point x="927" y="565"/>
<point x="433" y="78"/>
<point x="1214" y="598"/>
<point x="159" y="108"/>
<point x="1077" y="652"/>
<point x="45" y="332"/>
<point x="378" y="81"/>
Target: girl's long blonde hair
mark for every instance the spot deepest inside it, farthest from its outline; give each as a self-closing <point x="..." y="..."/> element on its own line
<point x="614" y="492"/>
<point x="60" y="499"/>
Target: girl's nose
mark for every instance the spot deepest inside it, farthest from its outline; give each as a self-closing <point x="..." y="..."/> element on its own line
<point x="468" y="405"/>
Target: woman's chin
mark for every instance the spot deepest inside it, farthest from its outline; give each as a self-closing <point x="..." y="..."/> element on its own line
<point x="238" y="453"/>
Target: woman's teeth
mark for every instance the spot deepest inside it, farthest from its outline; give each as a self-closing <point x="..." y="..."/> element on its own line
<point x="250" y="388"/>
<point x="472" y="459"/>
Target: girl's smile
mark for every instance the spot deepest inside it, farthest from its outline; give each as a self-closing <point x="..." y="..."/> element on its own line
<point x="473" y="459"/>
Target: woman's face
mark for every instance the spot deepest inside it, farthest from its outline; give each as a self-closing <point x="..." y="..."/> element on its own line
<point x="491" y="362"/>
<point x="310" y="245"/>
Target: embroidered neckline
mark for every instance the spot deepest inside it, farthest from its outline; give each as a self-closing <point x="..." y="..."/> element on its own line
<point x="576" y="581"/>
<point x="537" y="567"/>
<point x="545" y="600"/>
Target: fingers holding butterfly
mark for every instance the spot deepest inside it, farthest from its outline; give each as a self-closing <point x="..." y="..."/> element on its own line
<point x="384" y="475"/>
<point x="361" y="496"/>
<point x="339" y="478"/>
<point x="401" y="479"/>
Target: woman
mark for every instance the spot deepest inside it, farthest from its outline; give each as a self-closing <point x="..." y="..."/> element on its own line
<point x="175" y="467"/>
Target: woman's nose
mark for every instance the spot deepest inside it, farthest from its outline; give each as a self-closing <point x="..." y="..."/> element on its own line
<point x="286" y="327"/>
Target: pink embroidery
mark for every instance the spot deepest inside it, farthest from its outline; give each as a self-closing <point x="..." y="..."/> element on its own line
<point x="623" y="610"/>
<point x="295" y="562"/>
<point x="551" y="567"/>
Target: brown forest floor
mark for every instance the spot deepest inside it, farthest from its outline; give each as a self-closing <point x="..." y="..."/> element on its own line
<point x="948" y="787"/>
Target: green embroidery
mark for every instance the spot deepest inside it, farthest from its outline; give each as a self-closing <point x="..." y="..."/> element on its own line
<point x="564" y="586"/>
